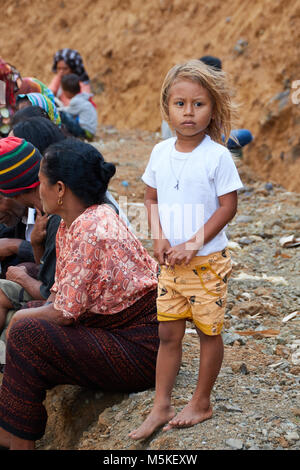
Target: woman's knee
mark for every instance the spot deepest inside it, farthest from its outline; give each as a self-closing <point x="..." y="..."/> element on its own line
<point x="21" y="330"/>
<point x="4" y="301"/>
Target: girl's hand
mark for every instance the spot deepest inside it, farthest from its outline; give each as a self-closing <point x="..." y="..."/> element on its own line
<point x="161" y="246"/>
<point x="180" y="254"/>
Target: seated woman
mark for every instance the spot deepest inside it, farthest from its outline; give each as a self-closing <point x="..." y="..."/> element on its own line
<point x="68" y="61"/>
<point x="37" y="99"/>
<point x="99" y="329"/>
<point x="19" y="166"/>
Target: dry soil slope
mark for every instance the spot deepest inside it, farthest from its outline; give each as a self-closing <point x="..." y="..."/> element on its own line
<point x="128" y="45"/>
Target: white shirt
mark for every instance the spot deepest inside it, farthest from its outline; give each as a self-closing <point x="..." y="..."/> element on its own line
<point x="29" y="221"/>
<point x="202" y="176"/>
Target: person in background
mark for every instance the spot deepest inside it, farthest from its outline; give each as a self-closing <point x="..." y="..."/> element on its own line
<point x="33" y="85"/>
<point x="66" y="61"/>
<point x="98" y="329"/>
<point x="80" y="116"/>
<point x="33" y="124"/>
<point x="13" y="84"/>
<point x="8" y="90"/>
<point x="28" y="112"/>
<point x="238" y="137"/>
<point x="37" y="99"/>
<point x="16" y="223"/>
<point x="39" y="131"/>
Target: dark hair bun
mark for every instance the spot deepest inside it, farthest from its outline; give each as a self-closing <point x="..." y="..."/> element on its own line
<point x="81" y="167"/>
<point x="107" y="170"/>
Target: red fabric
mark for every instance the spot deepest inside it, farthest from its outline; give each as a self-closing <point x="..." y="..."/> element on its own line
<point x="101" y="266"/>
<point x="6" y="75"/>
<point x="93" y="102"/>
<point x="9" y="191"/>
<point x="28" y="86"/>
<point x="8" y="144"/>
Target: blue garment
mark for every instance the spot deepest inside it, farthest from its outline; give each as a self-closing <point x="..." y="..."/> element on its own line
<point x="72" y="124"/>
<point x="243" y="137"/>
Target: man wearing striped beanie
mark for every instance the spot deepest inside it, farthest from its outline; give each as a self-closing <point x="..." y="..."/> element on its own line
<point x="19" y="168"/>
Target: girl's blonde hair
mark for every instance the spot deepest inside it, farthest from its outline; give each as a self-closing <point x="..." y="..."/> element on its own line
<point x="214" y="81"/>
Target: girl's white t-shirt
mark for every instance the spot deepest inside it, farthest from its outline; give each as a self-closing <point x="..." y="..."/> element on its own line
<point x="201" y="177"/>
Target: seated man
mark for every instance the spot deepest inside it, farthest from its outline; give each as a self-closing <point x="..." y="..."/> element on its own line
<point x="19" y="166"/>
<point x="16" y="223"/>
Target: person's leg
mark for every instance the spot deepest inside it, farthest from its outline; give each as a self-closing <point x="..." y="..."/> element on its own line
<point x="12" y="442"/>
<point x="5" y="306"/>
<point x="12" y="298"/>
<point x="42" y="354"/>
<point x="71" y="124"/>
<point x="167" y="366"/>
<point x="16" y="443"/>
<point x="4" y="438"/>
<point x="199" y="408"/>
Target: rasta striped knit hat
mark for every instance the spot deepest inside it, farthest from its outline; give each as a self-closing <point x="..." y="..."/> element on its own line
<point x="19" y="166"/>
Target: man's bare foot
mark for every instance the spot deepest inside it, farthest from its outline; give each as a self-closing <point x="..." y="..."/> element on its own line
<point x="189" y="416"/>
<point x="5" y="438"/>
<point x="156" y="418"/>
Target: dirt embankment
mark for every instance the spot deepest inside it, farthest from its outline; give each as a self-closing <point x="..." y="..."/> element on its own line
<point x="128" y="45"/>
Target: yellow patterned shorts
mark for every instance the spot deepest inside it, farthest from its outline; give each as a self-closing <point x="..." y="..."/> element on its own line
<point x="197" y="291"/>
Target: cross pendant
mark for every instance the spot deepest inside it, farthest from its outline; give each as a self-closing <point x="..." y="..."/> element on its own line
<point x="177" y="185"/>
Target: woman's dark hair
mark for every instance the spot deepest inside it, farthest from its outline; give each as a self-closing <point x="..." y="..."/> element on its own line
<point x="81" y="167"/>
<point x="38" y="131"/>
<point x="28" y="112"/>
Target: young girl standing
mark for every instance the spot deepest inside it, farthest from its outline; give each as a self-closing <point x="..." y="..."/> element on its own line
<point x="191" y="195"/>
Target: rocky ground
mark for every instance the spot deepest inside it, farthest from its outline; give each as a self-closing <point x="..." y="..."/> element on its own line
<point x="256" y="396"/>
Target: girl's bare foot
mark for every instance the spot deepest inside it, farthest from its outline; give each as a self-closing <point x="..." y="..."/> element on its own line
<point x="189" y="416"/>
<point x="156" y="418"/>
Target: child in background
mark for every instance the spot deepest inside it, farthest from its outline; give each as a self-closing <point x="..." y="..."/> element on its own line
<point x="80" y="116"/>
<point x="191" y="195"/>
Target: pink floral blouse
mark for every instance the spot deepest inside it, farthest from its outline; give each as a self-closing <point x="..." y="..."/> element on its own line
<point x="101" y="266"/>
